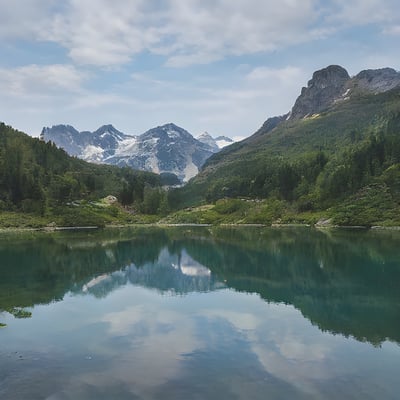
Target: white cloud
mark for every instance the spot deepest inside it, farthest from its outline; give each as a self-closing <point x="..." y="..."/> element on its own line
<point x="35" y="80"/>
<point x="109" y="33"/>
<point x="101" y="32"/>
<point x="24" y="18"/>
<point x="207" y="31"/>
<point x="169" y="335"/>
<point x="277" y="76"/>
<point x="363" y="12"/>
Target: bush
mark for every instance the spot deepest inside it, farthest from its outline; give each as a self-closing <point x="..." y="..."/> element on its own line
<point x="229" y="206"/>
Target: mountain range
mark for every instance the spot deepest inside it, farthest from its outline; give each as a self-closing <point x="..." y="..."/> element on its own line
<point x="164" y="149"/>
<point x="335" y="156"/>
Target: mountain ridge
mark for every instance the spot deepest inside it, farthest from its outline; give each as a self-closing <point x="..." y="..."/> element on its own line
<point x="337" y="155"/>
<point x="333" y="84"/>
<point x="318" y="97"/>
<point x="164" y="149"/>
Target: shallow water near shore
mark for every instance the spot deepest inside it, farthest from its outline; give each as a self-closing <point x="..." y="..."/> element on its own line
<point x="200" y="313"/>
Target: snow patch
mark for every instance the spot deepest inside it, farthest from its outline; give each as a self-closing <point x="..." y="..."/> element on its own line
<point x="173" y="134"/>
<point x="92" y="153"/>
<point x="127" y="147"/>
<point x="195" y="270"/>
<point x="105" y="134"/>
<point x="222" y="143"/>
<point x="346" y="93"/>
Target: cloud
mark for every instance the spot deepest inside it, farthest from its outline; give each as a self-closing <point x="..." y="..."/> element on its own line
<point x="105" y="33"/>
<point x="277" y="76"/>
<point x="206" y="31"/>
<point x="35" y="80"/>
<point x="363" y="12"/>
<point x="24" y="18"/>
<point x="392" y="30"/>
<point x="157" y="337"/>
<point x="101" y="32"/>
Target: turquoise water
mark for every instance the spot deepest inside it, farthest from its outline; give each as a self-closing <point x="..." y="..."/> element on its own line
<point x="200" y="313"/>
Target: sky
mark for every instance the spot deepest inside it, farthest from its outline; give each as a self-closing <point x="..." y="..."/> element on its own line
<point x="221" y="66"/>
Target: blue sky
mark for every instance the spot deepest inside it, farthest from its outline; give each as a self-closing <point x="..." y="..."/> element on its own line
<point x="222" y="66"/>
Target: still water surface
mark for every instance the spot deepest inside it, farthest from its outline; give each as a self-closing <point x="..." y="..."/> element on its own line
<point x="200" y="313"/>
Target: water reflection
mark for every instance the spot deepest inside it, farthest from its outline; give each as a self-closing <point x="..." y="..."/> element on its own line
<point x="344" y="282"/>
<point x="200" y="313"/>
<point x="174" y="273"/>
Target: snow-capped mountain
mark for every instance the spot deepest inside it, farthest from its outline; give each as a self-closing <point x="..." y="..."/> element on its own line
<point x="223" y="141"/>
<point x="166" y="148"/>
<point x="215" y="143"/>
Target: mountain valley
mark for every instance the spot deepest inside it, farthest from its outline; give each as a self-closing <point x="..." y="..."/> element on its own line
<point x="332" y="160"/>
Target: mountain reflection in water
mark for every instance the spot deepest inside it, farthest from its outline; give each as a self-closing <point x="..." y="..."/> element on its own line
<point x="343" y="282"/>
<point x="174" y="273"/>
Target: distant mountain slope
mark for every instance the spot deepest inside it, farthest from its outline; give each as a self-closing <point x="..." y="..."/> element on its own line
<point x="215" y="143"/>
<point x="164" y="149"/>
<point x="342" y="134"/>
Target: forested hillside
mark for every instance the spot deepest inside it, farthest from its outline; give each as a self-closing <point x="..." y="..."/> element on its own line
<point x="38" y="178"/>
<point x="345" y="159"/>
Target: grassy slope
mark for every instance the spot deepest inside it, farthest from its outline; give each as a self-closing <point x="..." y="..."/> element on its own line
<point x="343" y="129"/>
<point x="329" y="131"/>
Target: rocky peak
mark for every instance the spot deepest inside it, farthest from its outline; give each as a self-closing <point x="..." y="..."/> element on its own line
<point x="66" y="137"/>
<point x="326" y="86"/>
<point x="377" y="80"/>
<point x="168" y="132"/>
<point x="208" y="140"/>
<point x="105" y="128"/>
<point x="108" y="137"/>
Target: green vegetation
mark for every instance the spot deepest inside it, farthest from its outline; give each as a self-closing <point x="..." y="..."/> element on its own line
<point x="342" y="165"/>
<point x="40" y="185"/>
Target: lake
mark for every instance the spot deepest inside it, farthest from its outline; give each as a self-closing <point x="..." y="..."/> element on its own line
<point x="200" y="313"/>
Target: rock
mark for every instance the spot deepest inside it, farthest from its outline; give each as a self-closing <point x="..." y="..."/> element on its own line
<point x="208" y="140"/>
<point x="377" y="80"/>
<point x="50" y="227"/>
<point x="326" y="86"/>
<point x="270" y="124"/>
<point x="324" y="223"/>
<point x="110" y="200"/>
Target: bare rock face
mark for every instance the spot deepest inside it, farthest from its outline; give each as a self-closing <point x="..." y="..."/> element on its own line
<point x="270" y="124"/>
<point x="376" y="80"/>
<point x="326" y="86"/>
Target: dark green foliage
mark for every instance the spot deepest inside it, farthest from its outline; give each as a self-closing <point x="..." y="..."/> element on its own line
<point x="39" y="178"/>
<point x="372" y="205"/>
<point x="169" y="179"/>
<point x="154" y="201"/>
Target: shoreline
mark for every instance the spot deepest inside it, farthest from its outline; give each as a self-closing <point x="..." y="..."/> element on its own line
<point x="52" y="229"/>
